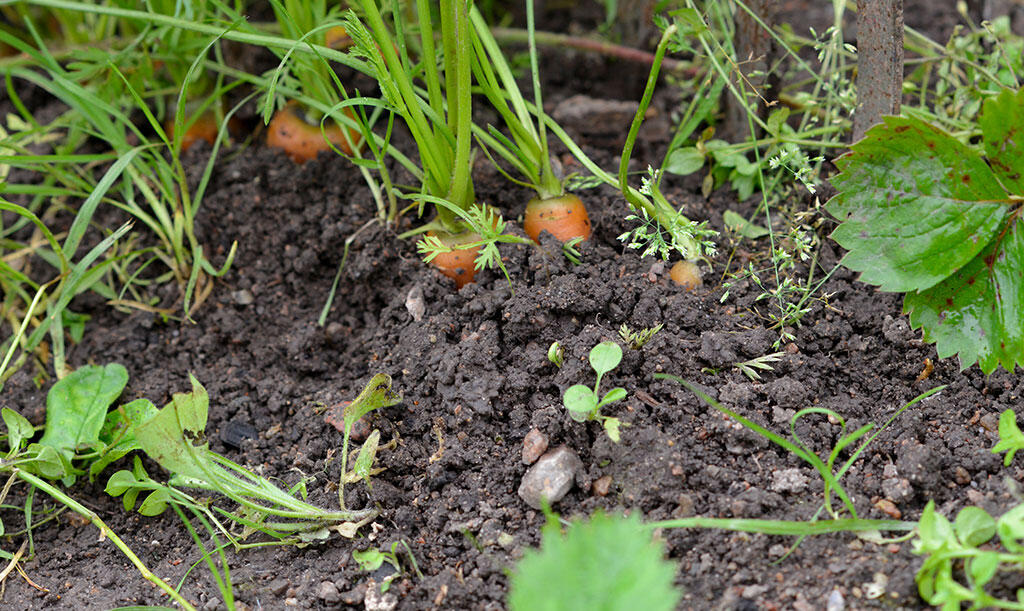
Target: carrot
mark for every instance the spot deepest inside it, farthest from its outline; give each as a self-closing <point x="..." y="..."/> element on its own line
<point x="564" y="217"/>
<point x="686" y="274"/>
<point x="301" y="140"/>
<point x="205" y="127"/>
<point x="457" y="264"/>
<point x="337" y="38"/>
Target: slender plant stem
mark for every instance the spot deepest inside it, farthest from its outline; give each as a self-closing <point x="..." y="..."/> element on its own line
<point x="553" y="39"/>
<point x="90" y="515"/>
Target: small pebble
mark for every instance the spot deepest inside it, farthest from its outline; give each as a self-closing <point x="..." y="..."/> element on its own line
<point x="836" y="602"/>
<point x="685" y="509"/>
<point x="888" y="508"/>
<point x="791" y="348"/>
<point x="243" y="297"/>
<point x="375" y="600"/>
<point x="534" y="444"/>
<point x="551" y="477"/>
<point x="961" y="476"/>
<point x="328" y="592"/>
<point x="788" y="480"/>
<point x="602" y="485"/>
<point x="415" y="304"/>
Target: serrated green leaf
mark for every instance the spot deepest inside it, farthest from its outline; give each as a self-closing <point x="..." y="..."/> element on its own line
<point x="175" y="437"/>
<point x="915" y="204"/>
<point x="978" y="312"/>
<point x="77" y="405"/>
<point x="1002" y="125"/>
<point x="375" y="395"/>
<point x="607" y="563"/>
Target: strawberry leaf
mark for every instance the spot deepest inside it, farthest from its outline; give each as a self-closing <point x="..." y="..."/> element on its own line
<point x="915" y="205"/>
<point x="925" y="214"/>
<point x="978" y="312"/>
<point x="1002" y="123"/>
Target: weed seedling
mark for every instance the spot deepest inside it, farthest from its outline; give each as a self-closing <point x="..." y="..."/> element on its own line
<point x="556" y="354"/>
<point x="637" y="339"/>
<point x="584" y="403"/>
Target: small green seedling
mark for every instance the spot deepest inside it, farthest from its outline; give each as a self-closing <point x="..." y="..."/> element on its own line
<point x="372" y="559"/>
<point x="582" y="401"/>
<point x="555" y="354"/>
<point x="637" y="339"/>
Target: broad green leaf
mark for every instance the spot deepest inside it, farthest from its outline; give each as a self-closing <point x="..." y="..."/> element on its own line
<point x="742" y="226"/>
<point x="974" y="526"/>
<point x="607" y="563"/>
<point x="983" y="567"/>
<point x="605" y="356"/>
<point x="368" y="560"/>
<point x="933" y="530"/>
<point x="155" y="503"/>
<point x="1010" y="527"/>
<point x="916" y="205"/>
<point x="978" y="312"/>
<point x="684" y="161"/>
<point x="77" y="405"/>
<point x="580" y="399"/>
<point x="611" y="428"/>
<point x="175" y="437"/>
<point x="1002" y="123"/>
<point x="19" y="429"/>
<point x="119" y="430"/>
<point x="120" y="482"/>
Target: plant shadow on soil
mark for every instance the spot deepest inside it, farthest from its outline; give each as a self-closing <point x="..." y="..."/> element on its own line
<point x="475" y="379"/>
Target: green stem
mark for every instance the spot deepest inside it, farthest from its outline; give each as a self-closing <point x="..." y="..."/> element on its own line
<point x="787" y="527"/>
<point x="553" y="39"/>
<point x="261" y="40"/>
<point x="83" y="511"/>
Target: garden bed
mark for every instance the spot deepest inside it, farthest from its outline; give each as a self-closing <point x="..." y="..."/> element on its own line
<point x="473" y="370"/>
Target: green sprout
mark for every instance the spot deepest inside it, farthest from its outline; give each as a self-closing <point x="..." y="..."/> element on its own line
<point x="637" y="339"/>
<point x="555" y="354"/>
<point x="584" y="403"/>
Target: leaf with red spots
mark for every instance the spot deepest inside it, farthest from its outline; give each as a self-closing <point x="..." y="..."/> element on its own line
<point x="909" y="216"/>
<point x="978" y="312"/>
<point x="925" y="214"/>
<point x="1002" y="123"/>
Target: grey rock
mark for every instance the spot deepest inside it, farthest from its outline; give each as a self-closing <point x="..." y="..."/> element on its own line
<point x="551" y="477"/>
<point x="789" y="480"/>
<point x="328" y="592"/>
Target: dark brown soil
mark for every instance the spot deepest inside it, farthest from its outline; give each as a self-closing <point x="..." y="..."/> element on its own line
<point x="475" y="379"/>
